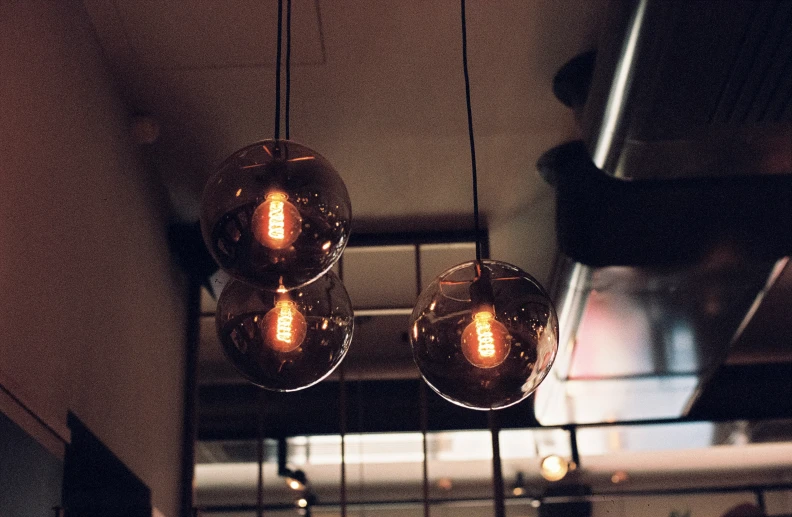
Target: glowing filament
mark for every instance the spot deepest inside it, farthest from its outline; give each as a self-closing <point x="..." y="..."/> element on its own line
<point x="486" y="341"/>
<point x="276" y="223"/>
<point x="277" y="220"/>
<point x="284" y="327"/>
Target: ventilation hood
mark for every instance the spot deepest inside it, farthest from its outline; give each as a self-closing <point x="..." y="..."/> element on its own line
<point x="674" y="216"/>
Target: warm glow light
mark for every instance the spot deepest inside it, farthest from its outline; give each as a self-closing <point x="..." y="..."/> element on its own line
<point x="619" y="477"/>
<point x="284" y="327"/>
<point x="554" y="468"/>
<point x="445" y="484"/>
<point x="276" y="223"/>
<point x="302" y="502"/>
<point x="486" y="341"/>
<point x="295" y="485"/>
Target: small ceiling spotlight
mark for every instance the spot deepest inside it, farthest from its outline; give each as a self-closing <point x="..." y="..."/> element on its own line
<point x="554" y="468"/>
<point x="518" y="489"/>
<point x="445" y="484"/>
<point x="296" y="480"/>
<point x="305" y="502"/>
<point x="619" y="477"/>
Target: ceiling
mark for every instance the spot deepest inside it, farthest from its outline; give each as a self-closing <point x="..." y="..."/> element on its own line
<point x="377" y="88"/>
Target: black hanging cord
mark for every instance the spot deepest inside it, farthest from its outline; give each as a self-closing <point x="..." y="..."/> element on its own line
<point x="342" y="402"/>
<point x="497" y="473"/>
<point x="424" y="430"/>
<point x="260" y="456"/>
<point x="470" y="133"/>
<point x="278" y="72"/>
<point x="423" y="402"/>
<point x="288" y="62"/>
<point x="497" y="469"/>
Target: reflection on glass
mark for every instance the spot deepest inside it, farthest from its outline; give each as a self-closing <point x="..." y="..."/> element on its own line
<point x="276" y="213"/>
<point x="286" y="340"/>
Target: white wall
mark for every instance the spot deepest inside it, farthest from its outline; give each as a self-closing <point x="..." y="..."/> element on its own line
<point x="91" y="312"/>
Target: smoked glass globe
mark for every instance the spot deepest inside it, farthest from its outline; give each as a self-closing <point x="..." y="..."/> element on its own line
<point x="484" y="334"/>
<point x="276" y="214"/>
<point x="285" y="340"/>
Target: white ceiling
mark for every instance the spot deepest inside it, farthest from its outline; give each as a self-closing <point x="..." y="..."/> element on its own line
<point x="377" y="88"/>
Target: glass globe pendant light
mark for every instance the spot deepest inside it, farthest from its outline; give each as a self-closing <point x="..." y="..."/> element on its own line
<point x="276" y="217"/>
<point x="484" y="333"/>
<point x="285" y="340"/>
<point x="276" y="213"/>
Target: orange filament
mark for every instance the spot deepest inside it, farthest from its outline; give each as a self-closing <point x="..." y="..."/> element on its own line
<point x="486" y="341"/>
<point x="276" y="223"/>
<point x="284" y="326"/>
<point x="277" y="218"/>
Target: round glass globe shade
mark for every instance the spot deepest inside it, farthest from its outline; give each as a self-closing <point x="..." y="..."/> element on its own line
<point x="276" y="214"/>
<point x="484" y="356"/>
<point x="289" y="340"/>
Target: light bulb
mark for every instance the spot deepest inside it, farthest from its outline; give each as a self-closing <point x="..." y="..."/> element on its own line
<point x="284" y="327"/>
<point x="276" y="212"/>
<point x="486" y="341"/>
<point x="276" y="223"/>
<point x="287" y="340"/>
<point x="472" y="355"/>
<point x="554" y="468"/>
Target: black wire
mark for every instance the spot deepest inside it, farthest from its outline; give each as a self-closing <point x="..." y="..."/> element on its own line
<point x="470" y="133"/>
<point x="260" y="455"/>
<point x="288" y="63"/>
<point x="278" y="72"/>
<point x="342" y="410"/>
<point x="497" y="468"/>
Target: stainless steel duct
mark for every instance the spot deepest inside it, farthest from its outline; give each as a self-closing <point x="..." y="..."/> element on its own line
<point x="675" y="214"/>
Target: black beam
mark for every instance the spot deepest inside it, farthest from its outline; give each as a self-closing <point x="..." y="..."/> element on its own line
<point x="230" y="411"/>
<point x="604" y="221"/>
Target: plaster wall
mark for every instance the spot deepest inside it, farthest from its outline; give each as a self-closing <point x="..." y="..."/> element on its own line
<point x="91" y="307"/>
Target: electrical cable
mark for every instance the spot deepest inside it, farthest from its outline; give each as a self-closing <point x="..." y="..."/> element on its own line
<point x="288" y="64"/>
<point x="342" y="401"/>
<point x="497" y="480"/>
<point x="278" y="72"/>
<point x="470" y="133"/>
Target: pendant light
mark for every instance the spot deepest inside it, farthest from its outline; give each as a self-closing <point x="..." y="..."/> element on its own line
<point x="285" y="340"/>
<point x="484" y="333"/>
<point x="276" y="217"/>
<point x="276" y="214"/>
